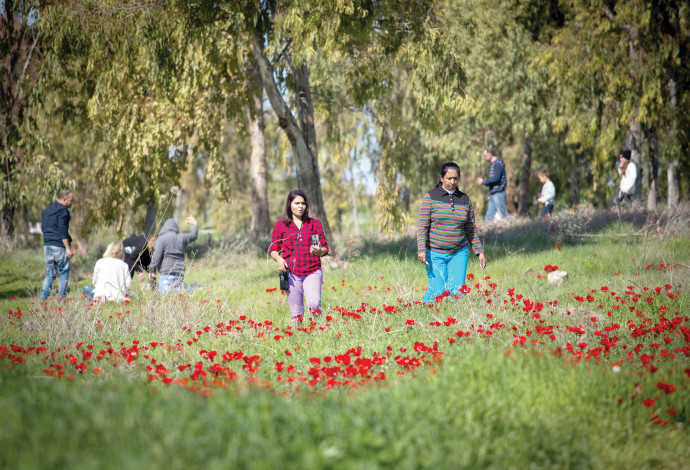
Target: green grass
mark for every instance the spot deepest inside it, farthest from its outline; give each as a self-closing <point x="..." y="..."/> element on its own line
<point x="485" y="402"/>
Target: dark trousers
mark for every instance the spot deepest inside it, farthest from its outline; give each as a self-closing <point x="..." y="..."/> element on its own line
<point x="622" y="197"/>
<point x="547" y="209"/>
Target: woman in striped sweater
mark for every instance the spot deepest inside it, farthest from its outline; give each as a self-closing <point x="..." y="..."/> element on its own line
<point x="445" y="229"/>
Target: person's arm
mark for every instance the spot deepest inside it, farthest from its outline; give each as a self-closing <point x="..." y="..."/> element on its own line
<point x="63" y="227"/>
<point x="494" y="175"/>
<point x="423" y="226"/>
<point x="157" y="257"/>
<point x="322" y="250"/>
<point x="276" y="247"/>
<point x="189" y="237"/>
<point x="282" y="264"/>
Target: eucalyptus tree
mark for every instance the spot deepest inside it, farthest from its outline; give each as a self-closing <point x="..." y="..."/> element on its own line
<point x="510" y="97"/>
<point x="367" y="43"/>
<point x="164" y="98"/>
<point x="615" y="84"/>
<point x="21" y="156"/>
<point x="155" y="94"/>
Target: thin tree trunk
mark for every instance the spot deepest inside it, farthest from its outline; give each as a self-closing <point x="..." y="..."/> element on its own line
<point x="523" y="201"/>
<point x="25" y="235"/>
<point x="260" y="224"/>
<point x="574" y="181"/>
<point x="653" y="171"/>
<point x="355" y="215"/>
<point x="635" y="146"/>
<point x="672" y="169"/>
<point x="7" y="222"/>
<point x="672" y="181"/>
<point x="7" y="215"/>
<point x="151" y="214"/>
<point x="306" y="161"/>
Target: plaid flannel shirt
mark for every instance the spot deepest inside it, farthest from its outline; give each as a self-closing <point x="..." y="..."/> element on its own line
<point x="293" y="245"/>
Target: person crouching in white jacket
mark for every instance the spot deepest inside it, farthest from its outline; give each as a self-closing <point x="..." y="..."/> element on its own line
<point x="111" y="279"/>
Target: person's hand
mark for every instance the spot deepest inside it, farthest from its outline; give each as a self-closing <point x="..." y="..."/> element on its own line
<point x="141" y="276"/>
<point x="282" y="265"/>
<point x="152" y="276"/>
<point x="191" y="220"/>
<point x="479" y="181"/>
<point x="316" y="251"/>
<point x="482" y="261"/>
<point x="68" y="252"/>
<point x="421" y="256"/>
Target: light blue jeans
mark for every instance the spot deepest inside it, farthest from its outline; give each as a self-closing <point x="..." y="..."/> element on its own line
<point x="56" y="261"/>
<point x="88" y="291"/>
<point x="174" y="282"/>
<point x="446" y="272"/>
<point x="497" y="206"/>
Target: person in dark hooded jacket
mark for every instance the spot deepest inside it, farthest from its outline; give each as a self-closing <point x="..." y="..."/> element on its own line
<point x="168" y="255"/>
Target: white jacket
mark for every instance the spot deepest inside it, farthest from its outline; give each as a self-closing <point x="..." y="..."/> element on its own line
<point x="111" y="279"/>
<point x="628" y="180"/>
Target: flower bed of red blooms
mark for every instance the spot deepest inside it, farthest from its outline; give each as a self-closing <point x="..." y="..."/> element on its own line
<point x="655" y="334"/>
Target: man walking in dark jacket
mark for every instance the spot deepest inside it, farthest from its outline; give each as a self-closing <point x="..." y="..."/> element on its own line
<point x="57" y="243"/>
<point x="168" y="255"/>
<point x="497" y="182"/>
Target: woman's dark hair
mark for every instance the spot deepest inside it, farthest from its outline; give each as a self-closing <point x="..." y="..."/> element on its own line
<point x="288" y="205"/>
<point x="448" y="166"/>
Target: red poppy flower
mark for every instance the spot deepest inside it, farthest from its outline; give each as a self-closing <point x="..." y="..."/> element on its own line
<point x="667" y="388"/>
<point x="648" y="402"/>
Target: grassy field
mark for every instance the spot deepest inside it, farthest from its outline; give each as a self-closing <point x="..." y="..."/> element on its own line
<point x="594" y="373"/>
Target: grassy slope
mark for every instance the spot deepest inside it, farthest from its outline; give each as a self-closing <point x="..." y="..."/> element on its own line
<point x="483" y="407"/>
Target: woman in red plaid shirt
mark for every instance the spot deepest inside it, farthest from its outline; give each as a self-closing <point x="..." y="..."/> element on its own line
<point x="297" y="246"/>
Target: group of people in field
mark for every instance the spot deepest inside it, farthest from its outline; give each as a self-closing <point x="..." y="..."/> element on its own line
<point x="446" y="229"/>
<point x="160" y="257"/>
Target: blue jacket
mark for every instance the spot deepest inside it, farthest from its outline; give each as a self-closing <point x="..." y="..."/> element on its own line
<point x="497" y="180"/>
<point x="55" y="224"/>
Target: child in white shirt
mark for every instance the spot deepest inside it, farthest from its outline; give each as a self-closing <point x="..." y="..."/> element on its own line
<point x="548" y="193"/>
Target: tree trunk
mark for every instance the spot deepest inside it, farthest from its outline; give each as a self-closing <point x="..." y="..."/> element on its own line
<point x="672" y="169"/>
<point x="635" y="146"/>
<point x="7" y="157"/>
<point x="574" y="181"/>
<point x="151" y="213"/>
<point x="7" y="222"/>
<point x="25" y="236"/>
<point x="672" y="180"/>
<point x="653" y="171"/>
<point x="523" y="201"/>
<point x="260" y="224"/>
<point x="355" y="214"/>
<point x="306" y="161"/>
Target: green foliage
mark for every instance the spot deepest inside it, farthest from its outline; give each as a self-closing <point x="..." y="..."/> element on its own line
<point x="153" y="88"/>
<point x="618" y="74"/>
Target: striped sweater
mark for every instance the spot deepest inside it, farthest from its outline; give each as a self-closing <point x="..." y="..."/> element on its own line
<point x="446" y="223"/>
